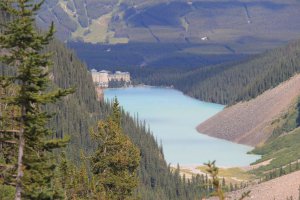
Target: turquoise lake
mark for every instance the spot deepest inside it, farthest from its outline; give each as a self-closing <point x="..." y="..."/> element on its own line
<point x="173" y="118"/>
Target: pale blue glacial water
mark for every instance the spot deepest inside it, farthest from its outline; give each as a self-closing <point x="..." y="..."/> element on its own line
<point x="173" y="118"/>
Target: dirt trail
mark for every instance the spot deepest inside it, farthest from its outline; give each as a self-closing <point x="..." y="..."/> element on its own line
<point x="250" y="122"/>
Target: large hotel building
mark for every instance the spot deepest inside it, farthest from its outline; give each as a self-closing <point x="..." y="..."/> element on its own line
<point x="102" y="78"/>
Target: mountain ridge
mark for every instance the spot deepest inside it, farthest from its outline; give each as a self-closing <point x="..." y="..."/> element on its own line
<point x="230" y="22"/>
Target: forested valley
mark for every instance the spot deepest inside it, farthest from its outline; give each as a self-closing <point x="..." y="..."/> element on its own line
<point x="74" y="117"/>
<point x="97" y="150"/>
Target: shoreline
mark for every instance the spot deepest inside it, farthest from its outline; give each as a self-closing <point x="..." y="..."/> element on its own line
<point x="166" y="87"/>
<point x="143" y="86"/>
<point x="233" y="174"/>
<point x="246" y="168"/>
<point x="230" y="174"/>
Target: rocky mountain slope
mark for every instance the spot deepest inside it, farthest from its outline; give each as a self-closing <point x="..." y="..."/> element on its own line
<point x="279" y="189"/>
<point x="250" y="122"/>
<point x="233" y="22"/>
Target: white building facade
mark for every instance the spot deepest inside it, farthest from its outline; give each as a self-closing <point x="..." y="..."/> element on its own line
<point x="102" y="78"/>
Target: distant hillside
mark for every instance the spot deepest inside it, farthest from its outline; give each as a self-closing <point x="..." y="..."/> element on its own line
<point x="170" y="20"/>
<point x="248" y="79"/>
<point x="242" y="26"/>
<point x="251" y="122"/>
<point x="165" y="42"/>
<point x="232" y="82"/>
<point x="150" y="57"/>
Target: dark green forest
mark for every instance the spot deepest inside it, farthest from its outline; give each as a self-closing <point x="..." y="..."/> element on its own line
<point x="230" y="83"/>
<point x="144" y="55"/>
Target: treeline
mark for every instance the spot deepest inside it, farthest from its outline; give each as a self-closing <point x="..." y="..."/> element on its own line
<point x="228" y="83"/>
<point x="76" y="114"/>
<point x="137" y="55"/>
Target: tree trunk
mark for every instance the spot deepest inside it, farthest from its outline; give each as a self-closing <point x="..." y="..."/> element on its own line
<point x="20" y="158"/>
<point x="20" y="164"/>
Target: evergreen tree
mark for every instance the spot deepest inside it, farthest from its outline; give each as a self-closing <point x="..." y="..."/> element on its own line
<point x="64" y="174"/>
<point x="23" y="46"/>
<point x="8" y="139"/>
<point x="213" y="171"/>
<point x="74" y="181"/>
<point x="115" y="161"/>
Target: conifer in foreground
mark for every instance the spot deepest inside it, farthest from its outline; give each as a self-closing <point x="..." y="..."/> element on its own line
<point x="115" y="161"/>
<point x="213" y="171"/>
<point x="22" y="45"/>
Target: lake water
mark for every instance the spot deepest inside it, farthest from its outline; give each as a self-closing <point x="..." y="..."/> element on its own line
<point x="173" y="118"/>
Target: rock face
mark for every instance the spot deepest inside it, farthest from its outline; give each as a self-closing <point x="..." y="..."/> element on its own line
<point x="250" y="122"/>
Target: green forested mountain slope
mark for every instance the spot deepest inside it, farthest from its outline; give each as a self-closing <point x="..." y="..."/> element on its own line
<point x="79" y="112"/>
<point x="233" y="82"/>
<point x="251" y="78"/>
